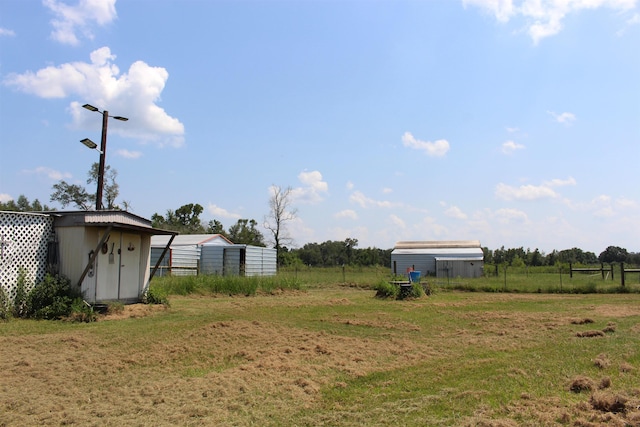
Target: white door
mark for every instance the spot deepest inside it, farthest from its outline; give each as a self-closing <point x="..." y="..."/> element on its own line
<point x="118" y="268"/>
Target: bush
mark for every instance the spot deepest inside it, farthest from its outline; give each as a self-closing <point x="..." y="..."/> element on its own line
<point x="81" y="311"/>
<point x="51" y="299"/>
<point x="156" y="295"/>
<point x="385" y="289"/>
<point x="5" y="309"/>
<point x="20" y="300"/>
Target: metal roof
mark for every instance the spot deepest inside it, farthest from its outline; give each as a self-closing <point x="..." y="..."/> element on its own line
<point x="191" y="240"/>
<point x="438" y="244"/>
<point x="439" y="251"/>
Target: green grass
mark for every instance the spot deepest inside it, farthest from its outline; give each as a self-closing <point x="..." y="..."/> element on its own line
<point x="454" y="358"/>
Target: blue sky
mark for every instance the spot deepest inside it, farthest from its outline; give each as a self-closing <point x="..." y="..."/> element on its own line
<point x="513" y="122"/>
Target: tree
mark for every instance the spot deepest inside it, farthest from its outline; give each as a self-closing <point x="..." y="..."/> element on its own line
<point x="613" y="254"/>
<point x="216" y="227"/>
<point x="67" y="194"/>
<point x="245" y="232"/>
<point x="110" y="190"/>
<point x="185" y="219"/>
<point x="280" y="212"/>
<point x="23" y="205"/>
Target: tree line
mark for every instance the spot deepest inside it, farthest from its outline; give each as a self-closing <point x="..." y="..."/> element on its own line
<point x="519" y="257"/>
<point x="186" y="220"/>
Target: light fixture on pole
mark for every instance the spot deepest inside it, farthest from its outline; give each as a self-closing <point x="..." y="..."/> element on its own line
<point x="89" y="143"/>
<point x="102" y="150"/>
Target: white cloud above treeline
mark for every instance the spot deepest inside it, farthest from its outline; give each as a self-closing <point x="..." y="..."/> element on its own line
<point x="133" y="94"/>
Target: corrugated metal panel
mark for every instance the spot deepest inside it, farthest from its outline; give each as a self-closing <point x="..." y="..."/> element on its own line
<point x="212" y="259"/>
<point x="269" y="262"/>
<point x="232" y="260"/>
<point x="185" y="260"/>
<point x="452" y="267"/>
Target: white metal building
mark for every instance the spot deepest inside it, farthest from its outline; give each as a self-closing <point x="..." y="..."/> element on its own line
<point x="192" y="254"/>
<point x="459" y="258"/>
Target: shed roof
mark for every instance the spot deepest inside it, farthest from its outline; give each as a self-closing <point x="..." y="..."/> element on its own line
<point x="191" y="240"/>
<point x="436" y="252"/>
<point x="117" y="219"/>
<point x="437" y="244"/>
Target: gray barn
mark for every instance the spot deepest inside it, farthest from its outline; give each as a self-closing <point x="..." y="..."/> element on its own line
<point x="459" y="258"/>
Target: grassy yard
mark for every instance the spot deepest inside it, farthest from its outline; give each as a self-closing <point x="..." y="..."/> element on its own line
<point x="330" y="354"/>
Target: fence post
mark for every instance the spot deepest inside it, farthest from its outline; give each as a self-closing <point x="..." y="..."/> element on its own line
<point x="560" y="270"/>
<point x="622" y="274"/>
<point x="570" y="271"/>
<point x="612" y="271"/>
<point x="602" y="269"/>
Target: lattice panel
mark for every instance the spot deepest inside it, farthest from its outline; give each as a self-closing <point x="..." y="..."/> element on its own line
<point x="23" y="245"/>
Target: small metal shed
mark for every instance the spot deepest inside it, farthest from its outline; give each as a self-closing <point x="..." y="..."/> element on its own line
<point x="458" y="258"/>
<point x="192" y="254"/>
<point x="106" y="253"/>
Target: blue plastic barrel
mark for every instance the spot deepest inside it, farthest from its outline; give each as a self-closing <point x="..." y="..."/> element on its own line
<point x="414" y="276"/>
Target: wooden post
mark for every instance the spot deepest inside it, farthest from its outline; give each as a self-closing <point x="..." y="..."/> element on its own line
<point x="570" y="271"/>
<point x="611" y="271"/>
<point x="622" y="274"/>
<point x="602" y="269"/>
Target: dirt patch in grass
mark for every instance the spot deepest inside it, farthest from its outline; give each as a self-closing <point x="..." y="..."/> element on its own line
<point x="132" y="311"/>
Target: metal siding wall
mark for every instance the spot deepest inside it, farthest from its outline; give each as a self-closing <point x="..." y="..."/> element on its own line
<point x="253" y="259"/>
<point x="462" y="268"/>
<point x="269" y="262"/>
<point x="425" y="264"/>
<point x="231" y="261"/>
<point x="184" y="260"/>
<point x="212" y="259"/>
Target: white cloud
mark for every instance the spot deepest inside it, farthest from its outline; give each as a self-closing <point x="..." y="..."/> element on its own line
<point x="313" y="190"/>
<point x="524" y="192"/>
<point x="80" y="18"/>
<point x="510" y="146"/>
<point x="433" y="149"/>
<point x="455" y="212"/>
<point x="506" y="216"/>
<point x="5" y="32"/>
<point x="347" y="213"/>
<point x="560" y="182"/>
<point x="387" y="190"/>
<point x="4" y="198"/>
<point x="564" y="118"/>
<point x="219" y="212"/>
<point x="49" y="173"/>
<point x="350" y="185"/>
<point x="544" y="17"/>
<point x="133" y="94"/>
<point x="127" y="154"/>
<point x="397" y="221"/>
<point x="359" y="198"/>
<point x="532" y="192"/>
